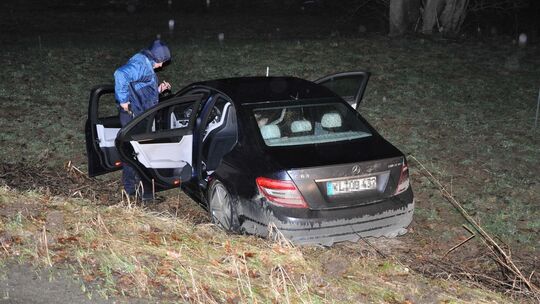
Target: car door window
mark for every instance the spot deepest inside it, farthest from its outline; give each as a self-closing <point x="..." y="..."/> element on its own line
<point x="101" y="129"/>
<point x="349" y="85"/>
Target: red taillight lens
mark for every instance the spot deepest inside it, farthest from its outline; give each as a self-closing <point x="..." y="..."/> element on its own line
<point x="403" y="183"/>
<point x="281" y="193"/>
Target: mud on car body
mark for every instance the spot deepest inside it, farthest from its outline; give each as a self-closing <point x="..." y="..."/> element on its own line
<point x="260" y="152"/>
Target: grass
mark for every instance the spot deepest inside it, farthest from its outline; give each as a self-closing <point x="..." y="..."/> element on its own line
<point x="118" y="250"/>
<point x="453" y="105"/>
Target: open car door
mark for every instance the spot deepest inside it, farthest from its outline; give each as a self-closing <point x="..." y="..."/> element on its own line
<point x="349" y="85"/>
<point x="159" y="142"/>
<point x="102" y="126"/>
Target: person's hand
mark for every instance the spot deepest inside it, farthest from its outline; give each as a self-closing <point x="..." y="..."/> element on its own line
<point x="164" y="86"/>
<point x="125" y="106"/>
<point x="262" y="121"/>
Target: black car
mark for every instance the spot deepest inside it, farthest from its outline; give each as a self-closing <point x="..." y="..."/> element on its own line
<point x="263" y="154"/>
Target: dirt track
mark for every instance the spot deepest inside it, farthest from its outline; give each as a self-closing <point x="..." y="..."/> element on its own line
<point x="22" y="284"/>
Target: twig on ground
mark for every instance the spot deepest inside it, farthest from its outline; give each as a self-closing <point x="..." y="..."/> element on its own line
<point x="461" y="243"/>
<point x="71" y="168"/>
<point x="46" y="246"/>
<point x="372" y="247"/>
<point x="502" y="257"/>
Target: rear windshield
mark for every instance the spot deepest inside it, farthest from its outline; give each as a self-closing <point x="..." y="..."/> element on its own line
<point x="302" y="123"/>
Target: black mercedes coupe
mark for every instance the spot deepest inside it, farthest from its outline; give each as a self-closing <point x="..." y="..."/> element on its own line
<point x="264" y="154"/>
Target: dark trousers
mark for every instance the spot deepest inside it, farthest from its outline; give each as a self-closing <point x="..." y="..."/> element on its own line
<point x="130" y="178"/>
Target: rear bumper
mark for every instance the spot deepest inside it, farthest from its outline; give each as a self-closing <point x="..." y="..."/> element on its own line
<point x="387" y="218"/>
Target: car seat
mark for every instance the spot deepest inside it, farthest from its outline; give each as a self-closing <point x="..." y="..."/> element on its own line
<point x="331" y="122"/>
<point x="220" y="138"/>
<point x="301" y="127"/>
<point x="270" y="132"/>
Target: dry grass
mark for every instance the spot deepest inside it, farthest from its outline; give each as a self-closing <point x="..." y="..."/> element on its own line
<point x="125" y="250"/>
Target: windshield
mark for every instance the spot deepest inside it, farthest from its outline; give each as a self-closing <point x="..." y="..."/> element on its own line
<point x="308" y="123"/>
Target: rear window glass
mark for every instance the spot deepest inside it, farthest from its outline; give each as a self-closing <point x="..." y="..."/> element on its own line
<point x="308" y="123"/>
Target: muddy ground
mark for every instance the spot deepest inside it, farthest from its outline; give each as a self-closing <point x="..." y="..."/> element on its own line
<point x="421" y="249"/>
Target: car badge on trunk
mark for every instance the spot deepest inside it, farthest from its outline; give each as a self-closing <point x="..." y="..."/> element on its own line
<point x="356" y="169"/>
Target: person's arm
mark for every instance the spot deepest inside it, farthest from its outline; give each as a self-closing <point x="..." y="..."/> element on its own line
<point x="123" y="76"/>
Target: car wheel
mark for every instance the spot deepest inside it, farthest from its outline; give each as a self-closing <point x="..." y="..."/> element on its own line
<point x="221" y="206"/>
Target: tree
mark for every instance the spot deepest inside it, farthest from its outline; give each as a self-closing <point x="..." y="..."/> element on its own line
<point x="403" y="15"/>
<point x="444" y="16"/>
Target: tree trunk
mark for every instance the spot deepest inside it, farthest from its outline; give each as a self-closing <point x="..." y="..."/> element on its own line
<point x="396" y="18"/>
<point x="403" y="15"/>
<point x="453" y="16"/>
<point x="431" y="15"/>
<point x="413" y="13"/>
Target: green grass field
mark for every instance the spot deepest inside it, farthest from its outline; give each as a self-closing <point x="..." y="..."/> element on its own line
<point x="464" y="109"/>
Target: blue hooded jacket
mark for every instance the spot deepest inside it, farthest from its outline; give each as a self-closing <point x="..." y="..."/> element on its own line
<point x="136" y="82"/>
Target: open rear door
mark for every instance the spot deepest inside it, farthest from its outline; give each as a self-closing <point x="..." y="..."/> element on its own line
<point x="349" y="85"/>
<point x="102" y="126"/>
<point x="159" y="142"/>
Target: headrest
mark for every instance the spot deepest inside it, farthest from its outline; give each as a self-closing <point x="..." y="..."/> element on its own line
<point x="300" y="126"/>
<point x="270" y="132"/>
<point x="331" y="120"/>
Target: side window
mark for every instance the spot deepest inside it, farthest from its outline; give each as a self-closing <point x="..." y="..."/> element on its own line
<point x="106" y="106"/>
<point x="349" y="85"/>
<point x="166" y="120"/>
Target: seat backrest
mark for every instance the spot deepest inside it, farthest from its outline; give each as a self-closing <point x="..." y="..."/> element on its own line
<point x="270" y="132"/>
<point x="220" y="139"/>
<point x="213" y="126"/>
<point x="299" y="126"/>
<point x="331" y="121"/>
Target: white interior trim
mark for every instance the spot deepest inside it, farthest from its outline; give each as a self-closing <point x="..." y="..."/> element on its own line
<point x="166" y="155"/>
<point x="106" y="136"/>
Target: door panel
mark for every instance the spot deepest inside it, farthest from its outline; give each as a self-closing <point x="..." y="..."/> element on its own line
<point x="166" y="155"/>
<point x="101" y="128"/>
<point x="349" y="85"/>
<point x="159" y="143"/>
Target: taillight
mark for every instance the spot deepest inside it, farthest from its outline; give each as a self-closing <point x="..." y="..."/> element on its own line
<point x="403" y="183"/>
<point x="281" y="193"/>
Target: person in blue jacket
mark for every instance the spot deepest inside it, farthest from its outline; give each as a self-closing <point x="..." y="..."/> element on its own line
<point x="136" y="89"/>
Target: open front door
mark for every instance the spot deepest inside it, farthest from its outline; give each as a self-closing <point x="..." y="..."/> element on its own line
<point x="102" y="126"/>
<point x="159" y="142"/>
<point x="349" y="85"/>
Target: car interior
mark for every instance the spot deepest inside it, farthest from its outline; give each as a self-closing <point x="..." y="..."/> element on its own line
<point x="220" y="135"/>
<point x="329" y="123"/>
<point x="307" y="124"/>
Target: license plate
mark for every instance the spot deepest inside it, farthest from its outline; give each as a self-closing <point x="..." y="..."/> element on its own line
<point x="351" y="185"/>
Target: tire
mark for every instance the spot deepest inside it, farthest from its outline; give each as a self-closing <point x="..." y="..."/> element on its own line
<point x="221" y="207"/>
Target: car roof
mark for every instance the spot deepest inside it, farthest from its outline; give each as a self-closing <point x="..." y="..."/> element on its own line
<point x="243" y="90"/>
